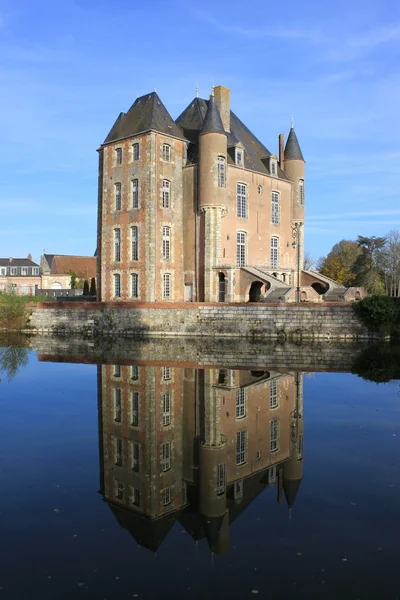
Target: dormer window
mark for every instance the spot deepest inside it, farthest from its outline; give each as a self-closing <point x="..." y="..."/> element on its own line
<point x="239" y="157"/>
<point x="273" y="166"/>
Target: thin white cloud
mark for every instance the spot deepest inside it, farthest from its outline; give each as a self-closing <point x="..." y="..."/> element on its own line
<point x="356" y="215"/>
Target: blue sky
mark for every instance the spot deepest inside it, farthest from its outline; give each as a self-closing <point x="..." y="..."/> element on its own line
<point x="68" y="68"/>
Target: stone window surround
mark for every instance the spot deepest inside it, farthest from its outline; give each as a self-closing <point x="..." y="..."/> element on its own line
<point x="166" y="401"/>
<point x="277" y="266"/>
<point x="171" y="373"/>
<point x="246" y="195"/>
<point x="239" y="157"/>
<point x="169" y="190"/>
<point x="134" y="272"/>
<point x="171" y="237"/>
<point x="133" y="180"/>
<point x="118" y="156"/>
<point x="130" y="240"/>
<point x="171" y="284"/>
<point x="300" y="191"/>
<point x="279" y="206"/>
<point x="273" y="165"/>
<point x="164" y="156"/>
<point x="112" y="273"/>
<point x="136" y="145"/>
<point x="245" y="231"/>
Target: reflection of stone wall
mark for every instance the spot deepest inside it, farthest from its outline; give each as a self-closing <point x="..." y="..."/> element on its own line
<point x="276" y="321"/>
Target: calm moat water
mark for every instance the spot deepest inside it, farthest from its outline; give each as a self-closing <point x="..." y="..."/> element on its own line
<point x="145" y="478"/>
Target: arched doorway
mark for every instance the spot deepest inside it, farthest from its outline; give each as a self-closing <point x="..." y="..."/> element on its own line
<point x="56" y="286"/>
<point x="255" y="291"/>
<point x="319" y="288"/>
<point x="221" y="287"/>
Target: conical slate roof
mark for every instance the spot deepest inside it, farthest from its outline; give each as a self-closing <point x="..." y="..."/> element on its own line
<point x="212" y="122"/>
<point x="292" y="148"/>
<point x="291" y="487"/>
<point x="146" y="113"/>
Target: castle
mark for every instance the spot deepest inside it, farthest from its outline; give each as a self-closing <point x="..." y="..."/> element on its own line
<point x="199" y="210"/>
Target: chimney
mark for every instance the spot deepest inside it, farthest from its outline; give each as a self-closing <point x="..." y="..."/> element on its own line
<point x="10" y="259"/>
<point x="222" y="97"/>
<point x="282" y="151"/>
<point x="29" y="256"/>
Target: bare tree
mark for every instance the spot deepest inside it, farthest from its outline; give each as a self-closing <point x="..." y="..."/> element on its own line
<point x="309" y="262"/>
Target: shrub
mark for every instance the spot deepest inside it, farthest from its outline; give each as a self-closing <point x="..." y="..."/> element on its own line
<point x="380" y="314"/>
<point x="86" y="288"/>
<point x="93" y="286"/>
<point x="12" y="310"/>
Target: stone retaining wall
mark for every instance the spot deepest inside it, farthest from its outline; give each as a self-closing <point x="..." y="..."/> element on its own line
<point x="292" y="322"/>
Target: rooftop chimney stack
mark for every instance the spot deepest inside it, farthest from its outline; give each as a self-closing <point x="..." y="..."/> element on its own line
<point x="282" y="151"/>
<point x="29" y="256"/>
<point x="222" y="96"/>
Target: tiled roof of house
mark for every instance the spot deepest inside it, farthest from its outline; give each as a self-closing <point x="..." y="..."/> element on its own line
<point x="83" y="266"/>
<point x="17" y="262"/>
<point x="147" y="113"/>
<point x="256" y="155"/>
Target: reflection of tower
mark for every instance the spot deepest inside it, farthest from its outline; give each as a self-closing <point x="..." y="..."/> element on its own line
<point x="293" y="468"/>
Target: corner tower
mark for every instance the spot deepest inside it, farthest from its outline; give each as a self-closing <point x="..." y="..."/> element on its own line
<point x="294" y="168"/>
<point x="212" y="194"/>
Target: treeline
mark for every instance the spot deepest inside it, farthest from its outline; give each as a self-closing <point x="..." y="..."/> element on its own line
<point x="369" y="262"/>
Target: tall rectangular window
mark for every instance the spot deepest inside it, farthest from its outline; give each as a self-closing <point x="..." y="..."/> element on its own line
<point x="118" y="156"/>
<point x="117" y="285"/>
<point x="135" y="457"/>
<point x="135" y="285"/>
<point x="135" y="151"/>
<point x="117" y="196"/>
<point x="241" y="200"/>
<point x="240" y="403"/>
<point x="117" y="405"/>
<point x="166" y="408"/>
<point x="135" y="242"/>
<point x="135" y="496"/>
<point x="120" y="490"/>
<point x="117" y="245"/>
<point x="241" y="447"/>
<point x="134" y="373"/>
<point x="167" y="285"/>
<point x="118" y="451"/>
<point x="274" y="252"/>
<point x="166" y="496"/>
<point x="221" y="171"/>
<point x="221" y="476"/>
<point x="166" y="373"/>
<point x="300" y="191"/>
<point x="166" y="456"/>
<point x="166" y="152"/>
<point x="135" y="193"/>
<point x="166" y="243"/>
<point x="117" y="371"/>
<point x="135" y="409"/>
<point x="274" y="435"/>
<point x="241" y="248"/>
<point x="273" y="394"/>
<point x="166" y="194"/>
<point x="275" y="212"/>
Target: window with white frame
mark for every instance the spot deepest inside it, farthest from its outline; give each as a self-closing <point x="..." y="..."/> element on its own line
<point x="241" y="447"/>
<point x="135" y="242"/>
<point x="240" y="403"/>
<point x="134" y="496"/>
<point x="166" y="456"/>
<point x="241" y="248"/>
<point x="166" y="373"/>
<point x="35" y="271"/>
<point x="117" y="371"/>
<point x="167" y="285"/>
<point x="135" y="285"/>
<point x="118" y="156"/>
<point x="135" y="457"/>
<point x="274" y="435"/>
<point x="3" y="271"/>
<point x="117" y="196"/>
<point x="24" y="270"/>
<point x="273" y="167"/>
<point x="260" y="190"/>
<point x="241" y="200"/>
<point x="166" y="152"/>
<point x="275" y="208"/>
<point x="238" y="489"/>
<point x="14" y="270"/>
<point x="117" y="285"/>
<point x="120" y="490"/>
<point x="300" y="192"/>
<point x="135" y="151"/>
<point x="135" y="409"/>
<point x="166" y="408"/>
<point x="117" y="244"/>
<point x="272" y="474"/>
<point x="166" y="242"/>
<point x="134" y="373"/>
<point x="221" y="171"/>
<point x="221" y="478"/>
<point x="135" y="193"/>
<point x="166" y="194"/>
<point x="166" y="496"/>
<point x="273" y="394"/>
<point x="274" y="252"/>
<point x="118" y="452"/>
<point x="239" y="157"/>
<point x="117" y="405"/>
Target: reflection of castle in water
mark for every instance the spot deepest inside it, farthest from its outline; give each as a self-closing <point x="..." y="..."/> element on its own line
<point x="196" y="446"/>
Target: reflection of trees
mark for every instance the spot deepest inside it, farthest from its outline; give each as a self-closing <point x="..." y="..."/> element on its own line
<point x="380" y="363"/>
<point x="13" y="355"/>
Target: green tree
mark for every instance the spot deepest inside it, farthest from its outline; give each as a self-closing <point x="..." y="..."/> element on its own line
<point x="93" y="286"/>
<point x="86" y="288"/>
<point x="368" y="265"/>
<point x="73" y="279"/>
<point x="339" y="263"/>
